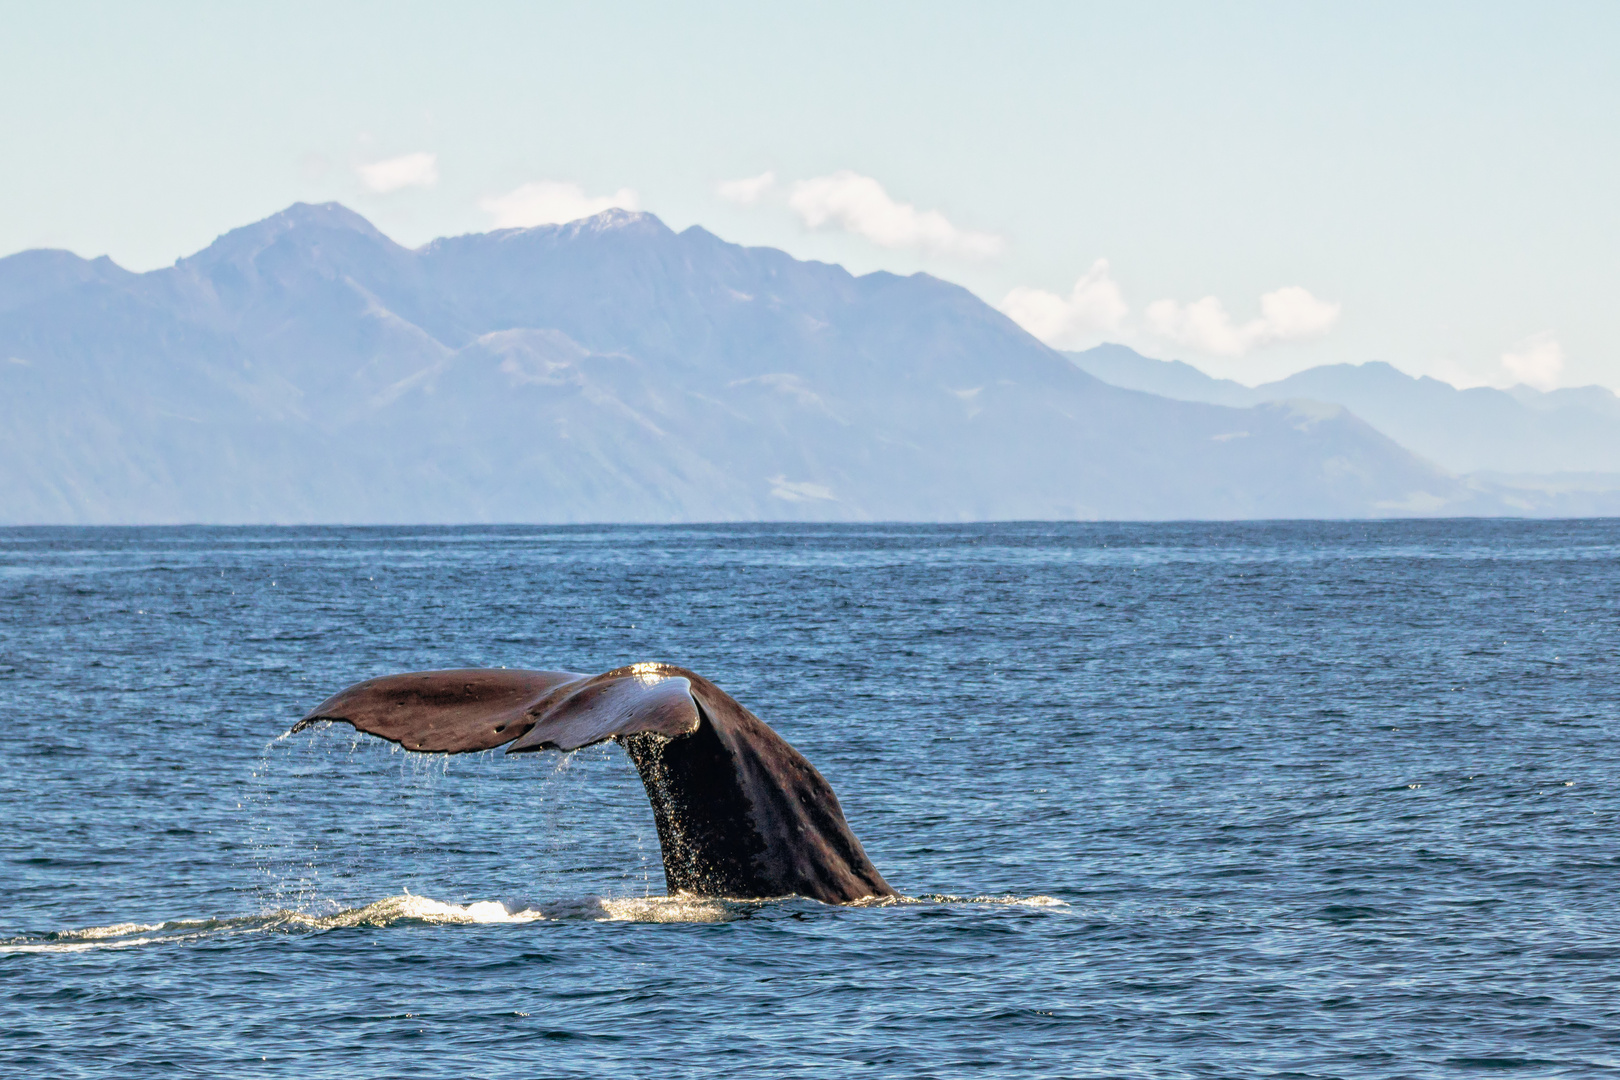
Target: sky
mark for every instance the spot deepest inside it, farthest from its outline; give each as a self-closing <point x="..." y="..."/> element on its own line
<point x="1255" y="188"/>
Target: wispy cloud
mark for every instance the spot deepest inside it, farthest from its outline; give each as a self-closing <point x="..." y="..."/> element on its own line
<point x="859" y="205"/>
<point x="1094" y="309"/>
<point x="1537" y="361"/>
<point x="420" y="169"/>
<point x="748" y="191"/>
<point x="1287" y="314"/>
<point x="550" y="202"/>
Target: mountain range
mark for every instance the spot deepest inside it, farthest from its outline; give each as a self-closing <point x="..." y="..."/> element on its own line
<point x="1519" y="430"/>
<point x="306" y="368"/>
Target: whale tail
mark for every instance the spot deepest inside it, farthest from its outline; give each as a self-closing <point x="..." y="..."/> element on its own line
<point x="740" y="813"/>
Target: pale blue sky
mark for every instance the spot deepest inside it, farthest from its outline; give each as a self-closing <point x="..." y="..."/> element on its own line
<point x="1448" y="175"/>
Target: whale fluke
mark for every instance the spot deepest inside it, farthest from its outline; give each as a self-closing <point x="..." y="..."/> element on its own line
<point x="467" y="709"/>
<point x="739" y="812"/>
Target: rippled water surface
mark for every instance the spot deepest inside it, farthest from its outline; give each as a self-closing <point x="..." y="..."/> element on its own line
<point x="1303" y="800"/>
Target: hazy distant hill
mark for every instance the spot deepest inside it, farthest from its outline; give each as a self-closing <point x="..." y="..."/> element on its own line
<point x="307" y="368"/>
<point x="1478" y="430"/>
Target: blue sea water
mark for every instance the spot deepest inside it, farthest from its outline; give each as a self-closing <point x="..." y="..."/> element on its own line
<point x="1248" y="800"/>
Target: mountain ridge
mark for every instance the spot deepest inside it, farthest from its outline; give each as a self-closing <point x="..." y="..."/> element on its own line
<point x="1519" y="430"/>
<point x="308" y="368"/>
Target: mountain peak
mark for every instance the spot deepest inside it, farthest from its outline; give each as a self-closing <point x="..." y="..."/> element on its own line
<point x="615" y="217"/>
<point x="29" y="276"/>
<point x="609" y="220"/>
<point x="327" y="215"/>
<point x="612" y="220"/>
<point x="303" y="225"/>
<point x="305" y="217"/>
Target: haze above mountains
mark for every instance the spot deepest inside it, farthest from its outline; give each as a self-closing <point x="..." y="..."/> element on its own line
<point x="308" y="369"/>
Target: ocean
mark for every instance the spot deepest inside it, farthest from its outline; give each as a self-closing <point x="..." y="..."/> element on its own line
<point x="1163" y="800"/>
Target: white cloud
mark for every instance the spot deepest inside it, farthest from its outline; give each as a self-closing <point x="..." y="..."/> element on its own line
<point x="549" y="202"/>
<point x="420" y="169"/>
<point x="1093" y="309"/>
<point x="1291" y="313"/>
<point x="747" y="192"/>
<point x="1536" y="361"/>
<point x="1287" y="314"/>
<point x="858" y="204"/>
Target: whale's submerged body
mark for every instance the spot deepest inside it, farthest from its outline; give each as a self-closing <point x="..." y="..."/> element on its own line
<point x="739" y="812"/>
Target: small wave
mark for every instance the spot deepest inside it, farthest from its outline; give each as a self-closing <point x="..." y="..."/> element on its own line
<point x="948" y="898"/>
<point x="94" y="933"/>
<point x="669" y="909"/>
<point x="589" y="908"/>
<point x="116" y="936"/>
<point x="404" y="909"/>
<point x="407" y="909"/>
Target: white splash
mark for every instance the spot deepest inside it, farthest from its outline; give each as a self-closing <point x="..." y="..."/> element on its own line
<point x="407" y="909"/>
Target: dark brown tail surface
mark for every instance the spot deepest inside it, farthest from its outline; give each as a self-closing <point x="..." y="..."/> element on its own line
<point x="739" y="812"/>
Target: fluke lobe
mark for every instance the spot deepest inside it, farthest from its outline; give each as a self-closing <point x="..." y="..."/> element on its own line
<point x="740" y="813"/>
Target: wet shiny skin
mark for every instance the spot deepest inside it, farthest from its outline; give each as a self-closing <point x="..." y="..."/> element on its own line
<point x="1316" y="799"/>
